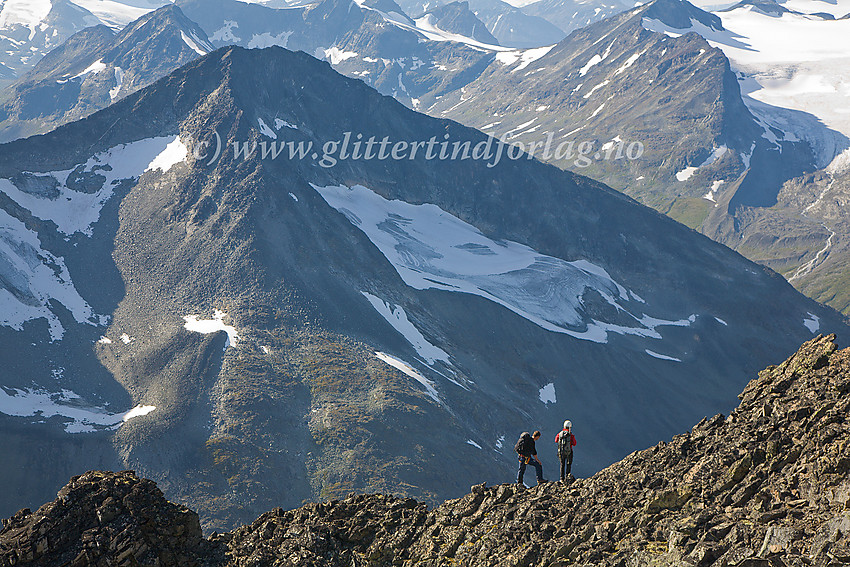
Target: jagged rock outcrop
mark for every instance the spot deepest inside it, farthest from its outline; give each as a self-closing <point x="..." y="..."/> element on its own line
<point x="104" y="519"/>
<point x="769" y="486"/>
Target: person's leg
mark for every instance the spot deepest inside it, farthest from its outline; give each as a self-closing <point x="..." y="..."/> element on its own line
<point x="561" y="458"/>
<point x="538" y="469"/>
<point x="569" y="464"/>
<point x="521" y="471"/>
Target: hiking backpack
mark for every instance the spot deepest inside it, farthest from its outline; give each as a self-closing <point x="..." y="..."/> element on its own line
<point x="521" y="446"/>
<point x="564" y="444"/>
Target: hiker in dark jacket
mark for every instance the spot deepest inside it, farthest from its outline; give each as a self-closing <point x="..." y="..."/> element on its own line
<point x="566" y="441"/>
<point x="527" y="452"/>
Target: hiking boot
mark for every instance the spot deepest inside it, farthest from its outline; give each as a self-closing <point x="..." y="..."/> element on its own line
<point x="541" y="481"/>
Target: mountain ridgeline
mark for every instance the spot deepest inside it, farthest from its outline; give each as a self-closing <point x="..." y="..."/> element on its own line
<point x="374" y="318"/>
<point x="643" y="82"/>
<point x="765" y="486"/>
<point x="96" y="67"/>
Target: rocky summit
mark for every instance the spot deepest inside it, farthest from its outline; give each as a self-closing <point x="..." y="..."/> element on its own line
<point x="104" y="518"/>
<point x="766" y="486"/>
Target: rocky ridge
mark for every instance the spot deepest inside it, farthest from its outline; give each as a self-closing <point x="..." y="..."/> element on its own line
<point x="104" y="518"/>
<point x="766" y="486"/>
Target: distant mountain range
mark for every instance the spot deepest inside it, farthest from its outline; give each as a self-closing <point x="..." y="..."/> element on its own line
<point x="95" y="67"/>
<point x="31" y="28"/>
<point x="252" y="328"/>
<point x="720" y="140"/>
<point x="570" y="15"/>
<point x="715" y="153"/>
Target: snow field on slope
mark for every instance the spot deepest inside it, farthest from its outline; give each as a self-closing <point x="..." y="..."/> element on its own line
<point x="27" y="13"/>
<point x="116" y="13"/>
<point x="196" y="44"/>
<point x="407" y="369"/>
<point x="37" y="275"/>
<point x="396" y="317"/>
<point x="793" y="61"/>
<point x="75" y="211"/>
<point x="44" y="405"/>
<point x="214" y="325"/>
<point x="431" y="249"/>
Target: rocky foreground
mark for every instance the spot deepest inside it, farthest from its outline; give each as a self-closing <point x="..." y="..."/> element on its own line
<point x="767" y="486"/>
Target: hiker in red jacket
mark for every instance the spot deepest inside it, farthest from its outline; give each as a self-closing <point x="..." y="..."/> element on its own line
<point x="566" y="441"/>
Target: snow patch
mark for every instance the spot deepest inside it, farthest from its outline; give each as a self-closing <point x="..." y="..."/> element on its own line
<point x="278" y="124"/>
<point x="225" y="33"/>
<point x="508" y="57"/>
<point x="174" y="153"/>
<point x="336" y="56"/>
<point x="83" y="419"/>
<point x="194" y="43"/>
<point x="119" y="82"/>
<point x="32" y="278"/>
<point x="609" y="145"/>
<point x="715" y="155"/>
<point x="595" y="60"/>
<point x="686" y="173"/>
<point x="629" y="62"/>
<point x="263" y="40"/>
<point x="431" y="249"/>
<point x="812" y="323"/>
<point x="547" y="394"/>
<point x="529" y="56"/>
<point x="396" y="317"/>
<point x="715" y="187"/>
<point x="661" y="356"/>
<point x="473" y="443"/>
<point x="92" y="69"/>
<point x="265" y="130"/>
<point x="595" y="88"/>
<point x="207" y="326"/>
<point x="399" y="364"/>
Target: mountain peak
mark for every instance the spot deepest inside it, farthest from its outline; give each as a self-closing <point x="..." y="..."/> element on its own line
<point x="170" y="20"/>
<point x="681" y="14"/>
<point x="456" y="17"/>
<point x="95" y="67"/>
<point x="767" y="7"/>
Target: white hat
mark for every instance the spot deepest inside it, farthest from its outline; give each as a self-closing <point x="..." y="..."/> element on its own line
<point x="568" y="424"/>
